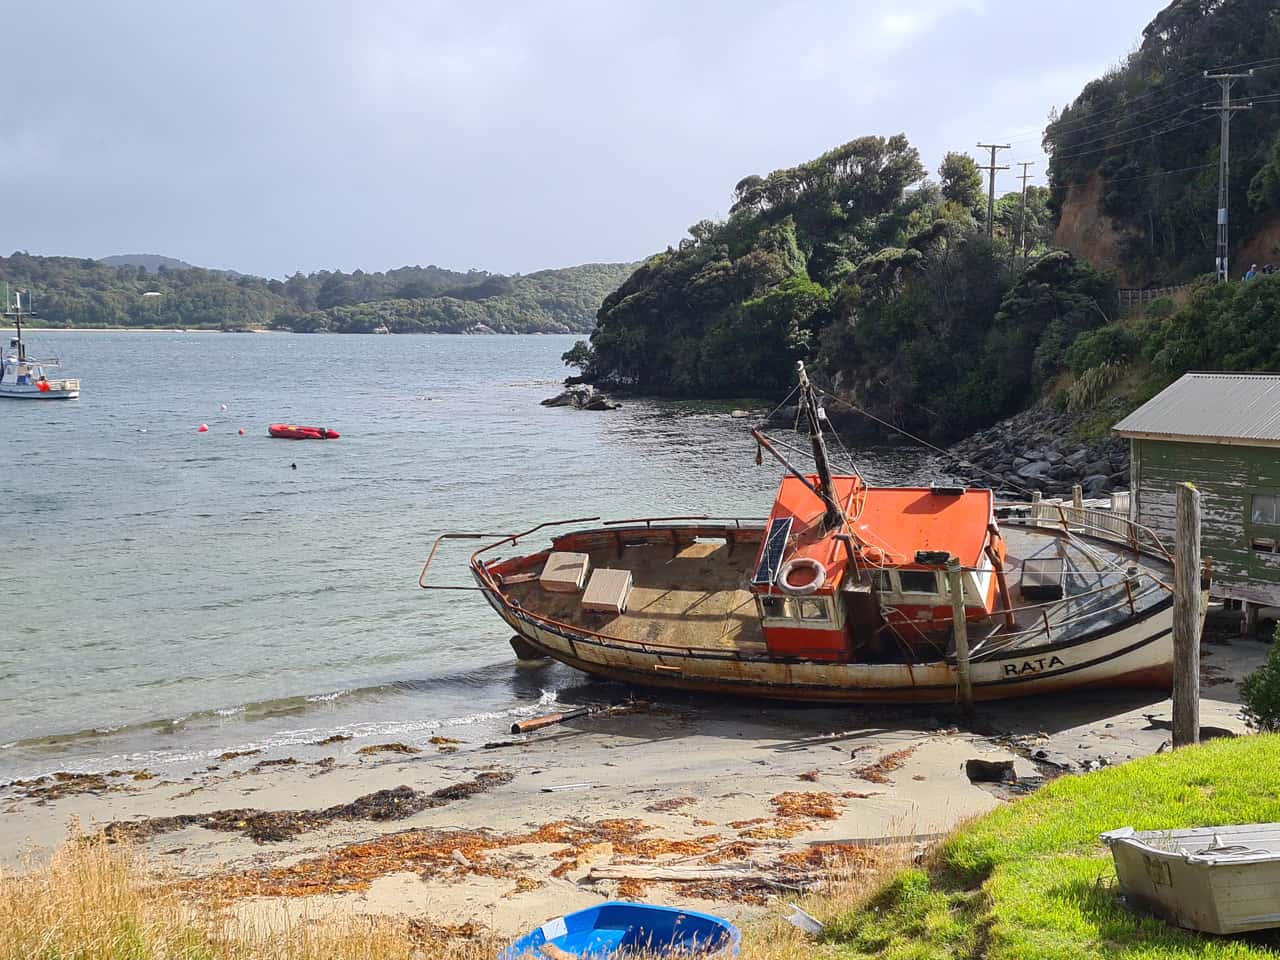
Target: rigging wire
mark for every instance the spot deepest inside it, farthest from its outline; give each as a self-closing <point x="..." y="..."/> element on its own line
<point x="936" y="449"/>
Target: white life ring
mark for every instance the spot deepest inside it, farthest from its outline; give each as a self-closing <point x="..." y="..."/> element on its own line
<point x="819" y="577"/>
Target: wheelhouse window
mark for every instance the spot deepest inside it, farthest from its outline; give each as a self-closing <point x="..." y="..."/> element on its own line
<point x="918" y="581"/>
<point x="1265" y="509"/>
<point x="813" y="608"/>
<point x="776" y="608"/>
<point x="882" y="579"/>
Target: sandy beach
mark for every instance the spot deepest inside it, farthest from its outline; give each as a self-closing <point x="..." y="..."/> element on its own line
<point x="731" y="805"/>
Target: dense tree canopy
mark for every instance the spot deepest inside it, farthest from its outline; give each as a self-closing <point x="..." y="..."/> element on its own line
<point x="961" y="180"/>
<point x="884" y="281"/>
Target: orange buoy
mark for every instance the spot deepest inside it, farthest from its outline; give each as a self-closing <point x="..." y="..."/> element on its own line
<point x="203" y="428"/>
<point x="242" y="431"/>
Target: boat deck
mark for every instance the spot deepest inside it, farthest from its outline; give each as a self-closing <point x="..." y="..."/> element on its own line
<point x="698" y="595"/>
<point x="695" y="597"/>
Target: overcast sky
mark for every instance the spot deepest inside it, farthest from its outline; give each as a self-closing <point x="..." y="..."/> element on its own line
<point x="272" y="136"/>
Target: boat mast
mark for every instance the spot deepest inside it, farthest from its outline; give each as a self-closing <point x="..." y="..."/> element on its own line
<point x="826" y="488"/>
<point x="14" y="310"/>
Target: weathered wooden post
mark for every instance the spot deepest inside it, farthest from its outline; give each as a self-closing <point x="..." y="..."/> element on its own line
<point x="1249" y="620"/>
<point x="960" y="627"/>
<point x="1035" y="508"/>
<point x="1186" y="618"/>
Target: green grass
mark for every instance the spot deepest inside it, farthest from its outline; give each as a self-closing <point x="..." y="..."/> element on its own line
<point x="1031" y="881"/>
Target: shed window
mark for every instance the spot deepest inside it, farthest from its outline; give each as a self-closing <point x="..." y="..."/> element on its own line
<point x="1264" y="545"/>
<point x="918" y="581"/>
<point x="1266" y="509"/>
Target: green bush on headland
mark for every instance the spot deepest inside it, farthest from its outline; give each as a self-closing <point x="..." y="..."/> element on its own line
<point x="1031" y="881"/>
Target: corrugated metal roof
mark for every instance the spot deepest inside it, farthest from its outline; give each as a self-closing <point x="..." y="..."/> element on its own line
<point x="1227" y="407"/>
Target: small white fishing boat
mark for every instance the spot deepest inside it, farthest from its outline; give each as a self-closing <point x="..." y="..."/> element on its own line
<point x="27" y="378"/>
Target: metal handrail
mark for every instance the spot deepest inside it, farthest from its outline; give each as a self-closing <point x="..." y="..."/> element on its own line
<point x="1085" y="517"/>
<point x="649" y="521"/>
<point x="503" y="538"/>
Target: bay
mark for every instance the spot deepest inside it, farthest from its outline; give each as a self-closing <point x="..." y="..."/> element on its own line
<point x="166" y="595"/>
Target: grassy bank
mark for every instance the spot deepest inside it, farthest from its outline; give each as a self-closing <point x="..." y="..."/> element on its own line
<point x="1031" y="880"/>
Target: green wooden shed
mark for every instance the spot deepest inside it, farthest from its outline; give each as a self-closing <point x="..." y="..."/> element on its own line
<point x="1221" y="432"/>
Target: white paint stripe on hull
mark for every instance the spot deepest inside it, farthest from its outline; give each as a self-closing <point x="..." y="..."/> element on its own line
<point x="1143" y="648"/>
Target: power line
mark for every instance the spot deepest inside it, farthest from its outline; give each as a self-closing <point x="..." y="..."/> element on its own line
<point x="1267" y="63"/>
<point x="1158" y="173"/>
<point x="1176" y="114"/>
<point x="1121" y="112"/>
<point x="1104" y="116"/>
<point x="1225" y="110"/>
<point x="1124" y="143"/>
<point x="991" y="188"/>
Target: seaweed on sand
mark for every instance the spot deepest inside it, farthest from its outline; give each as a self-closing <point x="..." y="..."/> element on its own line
<point x="265" y="826"/>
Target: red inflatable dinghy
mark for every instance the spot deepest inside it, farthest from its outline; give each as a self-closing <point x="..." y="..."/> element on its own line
<point x="291" y="431"/>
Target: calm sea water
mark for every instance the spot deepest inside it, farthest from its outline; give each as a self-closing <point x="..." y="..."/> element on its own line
<point x="168" y="595"/>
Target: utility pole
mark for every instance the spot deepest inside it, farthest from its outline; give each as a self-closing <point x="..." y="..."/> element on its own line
<point x="1022" y="232"/>
<point x="991" y="188"/>
<point x="1224" y="111"/>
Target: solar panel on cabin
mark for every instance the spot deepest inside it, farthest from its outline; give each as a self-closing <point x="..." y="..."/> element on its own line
<point x="775" y="543"/>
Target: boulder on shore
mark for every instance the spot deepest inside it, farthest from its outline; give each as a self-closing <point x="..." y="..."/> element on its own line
<point x="582" y="397"/>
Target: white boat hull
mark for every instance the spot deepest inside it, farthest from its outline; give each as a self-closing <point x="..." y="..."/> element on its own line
<point x="25" y="392"/>
<point x="1138" y="653"/>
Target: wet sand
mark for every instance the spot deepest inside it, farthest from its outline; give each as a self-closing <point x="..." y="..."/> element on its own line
<point x="747" y="801"/>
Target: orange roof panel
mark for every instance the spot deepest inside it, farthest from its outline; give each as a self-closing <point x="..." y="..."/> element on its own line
<point x="895" y="521"/>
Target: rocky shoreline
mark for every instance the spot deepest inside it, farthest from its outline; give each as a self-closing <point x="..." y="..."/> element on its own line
<point x="1040" y="450"/>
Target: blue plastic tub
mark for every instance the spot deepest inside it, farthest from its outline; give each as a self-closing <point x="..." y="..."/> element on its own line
<point x="609" y="928"/>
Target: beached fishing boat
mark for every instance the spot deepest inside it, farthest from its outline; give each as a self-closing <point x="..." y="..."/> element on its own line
<point x="26" y="378"/>
<point x="845" y="592"/>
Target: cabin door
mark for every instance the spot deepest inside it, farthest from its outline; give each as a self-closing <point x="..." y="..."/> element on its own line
<point x="862" y="622"/>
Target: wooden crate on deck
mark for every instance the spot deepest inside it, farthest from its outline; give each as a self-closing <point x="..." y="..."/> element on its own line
<point x="607" y="591"/>
<point x="564" y="572"/>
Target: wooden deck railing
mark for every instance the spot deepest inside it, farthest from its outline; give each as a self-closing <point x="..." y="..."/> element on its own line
<point x="1128" y="298"/>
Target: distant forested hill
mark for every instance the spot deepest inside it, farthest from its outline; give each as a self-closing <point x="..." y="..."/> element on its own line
<point x="550" y="301"/>
<point x="152" y="261"/>
<point x="1133" y="159"/>
<point x="85" y="293"/>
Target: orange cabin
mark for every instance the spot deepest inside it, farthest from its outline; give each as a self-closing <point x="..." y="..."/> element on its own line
<point x="830" y="593"/>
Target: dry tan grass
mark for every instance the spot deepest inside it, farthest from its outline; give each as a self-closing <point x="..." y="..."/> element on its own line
<point x="96" y="901"/>
<point x="99" y="901"/>
<point x="854" y="876"/>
